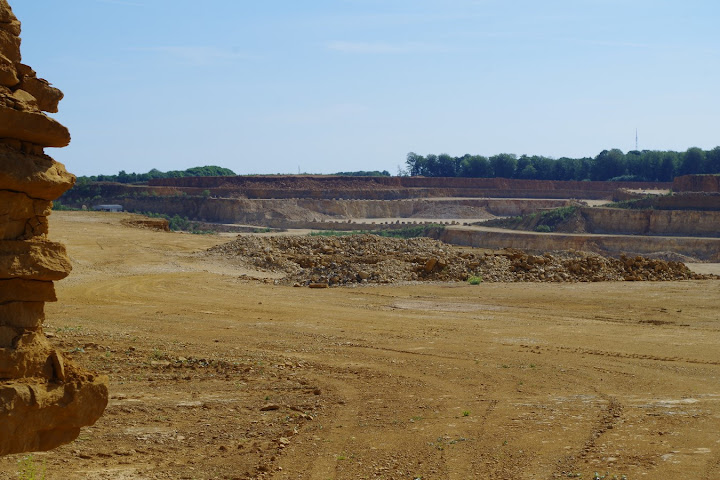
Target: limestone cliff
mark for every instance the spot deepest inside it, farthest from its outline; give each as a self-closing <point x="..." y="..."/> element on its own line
<point x="44" y="401"/>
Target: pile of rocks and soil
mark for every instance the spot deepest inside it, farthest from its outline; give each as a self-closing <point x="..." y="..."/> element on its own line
<point x="346" y="260"/>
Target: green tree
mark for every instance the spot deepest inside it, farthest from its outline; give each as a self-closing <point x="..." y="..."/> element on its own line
<point x="608" y="164"/>
<point x="503" y="165"/>
<point x="446" y="166"/>
<point x="668" y="167"/>
<point x="475" y="166"/>
<point x="712" y="161"/>
<point x="693" y="161"/>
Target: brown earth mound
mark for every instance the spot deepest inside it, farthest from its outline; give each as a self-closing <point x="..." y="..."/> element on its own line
<point x="159" y="224"/>
<point x="353" y="259"/>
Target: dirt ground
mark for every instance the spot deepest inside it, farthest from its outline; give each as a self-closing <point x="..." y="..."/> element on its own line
<point x="218" y="376"/>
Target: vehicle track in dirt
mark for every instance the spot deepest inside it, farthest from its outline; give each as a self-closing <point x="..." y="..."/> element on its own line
<point x="215" y="375"/>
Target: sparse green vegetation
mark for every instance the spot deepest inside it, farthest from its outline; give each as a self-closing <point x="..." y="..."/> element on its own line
<point x="608" y="476"/>
<point x="178" y="223"/>
<point x="58" y="206"/>
<point x="29" y="470"/>
<point x="475" y="280"/>
<point x="644" y="203"/>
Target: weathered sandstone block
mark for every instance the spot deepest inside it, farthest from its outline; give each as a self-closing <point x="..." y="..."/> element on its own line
<point x="10" y="45"/>
<point x="26" y="291"/>
<point x="8" y="74"/>
<point x="28" y="315"/>
<point x="32" y="127"/>
<point x="22" y="217"/>
<point x="38" y="176"/>
<point x="30" y="356"/>
<point x="8" y="21"/>
<point x="43" y="416"/>
<point x="33" y="260"/>
<point x="47" y="96"/>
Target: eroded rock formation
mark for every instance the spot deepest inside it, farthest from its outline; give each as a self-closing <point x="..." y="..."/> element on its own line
<point x="44" y="401"/>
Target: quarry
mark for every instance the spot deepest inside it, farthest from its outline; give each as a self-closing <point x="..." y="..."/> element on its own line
<point x="342" y="327"/>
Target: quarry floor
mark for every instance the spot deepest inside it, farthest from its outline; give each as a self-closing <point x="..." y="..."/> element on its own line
<point x="215" y="376"/>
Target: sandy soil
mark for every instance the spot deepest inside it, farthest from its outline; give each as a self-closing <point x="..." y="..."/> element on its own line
<point x="215" y="376"/>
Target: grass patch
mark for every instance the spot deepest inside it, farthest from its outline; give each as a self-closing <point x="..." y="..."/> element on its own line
<point x="29" y="470"/>
<point x="475" y="280"/>
<point x="644" y="203"/>
<point x="58" y="206"/>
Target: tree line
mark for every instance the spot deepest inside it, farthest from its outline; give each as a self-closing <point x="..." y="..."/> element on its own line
<point x="123" y="177"/>
<point x="613" y="165"/>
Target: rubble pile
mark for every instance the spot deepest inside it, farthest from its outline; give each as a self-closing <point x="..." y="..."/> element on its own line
<point x="44" y="400"/>
<point x="353" y="259"/>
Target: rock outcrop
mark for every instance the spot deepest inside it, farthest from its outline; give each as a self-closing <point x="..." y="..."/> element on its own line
<point x="44" y="401"/>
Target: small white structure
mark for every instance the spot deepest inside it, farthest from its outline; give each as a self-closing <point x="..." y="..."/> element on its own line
<point x="108" y="208"/>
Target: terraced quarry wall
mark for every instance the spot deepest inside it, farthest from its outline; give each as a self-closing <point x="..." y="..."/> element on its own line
<point x="283" y="212"/>
<point x="697" y="183"/>
<point x="386" y="188"/>
<point x="705" y="249"/>
<point x="651" y="222"/>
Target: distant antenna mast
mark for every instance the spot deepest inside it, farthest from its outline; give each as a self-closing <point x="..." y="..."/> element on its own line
<point x="636" y="140"/>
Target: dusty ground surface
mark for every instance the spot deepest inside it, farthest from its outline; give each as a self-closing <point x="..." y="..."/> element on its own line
<point x="214" y="375"/>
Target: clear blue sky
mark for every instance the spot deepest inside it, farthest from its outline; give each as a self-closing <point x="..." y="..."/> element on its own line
<point x="273" y="86"/>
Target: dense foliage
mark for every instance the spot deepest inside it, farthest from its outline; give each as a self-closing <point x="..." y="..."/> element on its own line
<point x="123" y="177"/>
<point x="363" y="173"/>
<point x="646" y="165"/>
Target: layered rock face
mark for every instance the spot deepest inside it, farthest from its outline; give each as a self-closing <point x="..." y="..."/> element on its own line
<point x="44" y="401"/>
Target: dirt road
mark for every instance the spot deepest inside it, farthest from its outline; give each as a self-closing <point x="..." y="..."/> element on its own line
<point x="214" y="375"/>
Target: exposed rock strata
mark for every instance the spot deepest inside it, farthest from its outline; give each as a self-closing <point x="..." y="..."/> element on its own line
<point x="43" y="400"/>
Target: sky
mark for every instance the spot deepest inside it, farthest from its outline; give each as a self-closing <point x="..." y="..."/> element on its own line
<point x="321" y="86"/>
